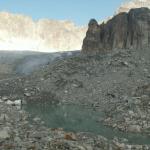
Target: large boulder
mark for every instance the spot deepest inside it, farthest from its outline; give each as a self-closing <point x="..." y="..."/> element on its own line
<point x="124" y="31"/>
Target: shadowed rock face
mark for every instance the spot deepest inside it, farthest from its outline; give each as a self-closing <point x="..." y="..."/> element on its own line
<point x="124" y="31"/>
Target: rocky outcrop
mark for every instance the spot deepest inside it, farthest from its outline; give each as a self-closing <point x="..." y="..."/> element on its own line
<point x="124" y="31"/>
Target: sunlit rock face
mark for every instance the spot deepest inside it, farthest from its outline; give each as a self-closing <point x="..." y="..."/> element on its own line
<point x="19" y="32"/>
<point x="125" y="7"/>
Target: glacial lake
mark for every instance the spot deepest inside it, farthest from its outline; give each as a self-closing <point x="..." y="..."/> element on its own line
<point x="77" y="118"/>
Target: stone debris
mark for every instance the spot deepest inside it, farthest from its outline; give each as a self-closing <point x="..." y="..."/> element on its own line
<point x="4" y="133"/>
<point x="113" y="83"/>
<point x="16" y="133"/>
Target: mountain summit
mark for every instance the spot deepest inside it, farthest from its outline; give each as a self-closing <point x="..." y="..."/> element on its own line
<point x="124" y="31"/>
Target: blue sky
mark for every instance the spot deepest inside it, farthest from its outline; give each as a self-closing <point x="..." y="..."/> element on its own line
<point x="79" y="11"/>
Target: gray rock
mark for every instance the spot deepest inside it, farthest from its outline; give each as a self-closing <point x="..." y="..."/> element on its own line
<point x="134" y="128"/>
<point x="124" y="31"/>
<point x="4" y="117"/>
<point x="37" y="119"/>
<point x="4" y="133"/>
<point x="27" y="94"/>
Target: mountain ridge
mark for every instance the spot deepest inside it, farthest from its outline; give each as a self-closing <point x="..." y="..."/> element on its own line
<point x="20" y="32"/>
<point x="124" y="31"/>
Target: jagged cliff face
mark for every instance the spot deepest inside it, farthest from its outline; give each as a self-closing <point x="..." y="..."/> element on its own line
<point x="124" y="31"/>
<point x="125" y="7"/>
<point x="18" y="32"/>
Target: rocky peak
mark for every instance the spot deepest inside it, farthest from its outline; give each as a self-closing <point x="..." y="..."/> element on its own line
<point x="93" y="23"/>
<point x="124" y="31"/>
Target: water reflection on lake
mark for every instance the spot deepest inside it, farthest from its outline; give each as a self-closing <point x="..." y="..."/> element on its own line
<point x="79" y="119"/>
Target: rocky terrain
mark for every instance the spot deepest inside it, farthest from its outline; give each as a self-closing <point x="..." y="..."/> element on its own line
<point x="18" y="63"/>
<point x="115" y="83"/>
<point x="124" y="31"/>
<point x="16" y="133"/>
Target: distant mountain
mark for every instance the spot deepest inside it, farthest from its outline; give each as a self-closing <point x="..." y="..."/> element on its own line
<point x="124" y="31"/>
<point x="125" y="7"/>
<point x="19" y="32"/>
